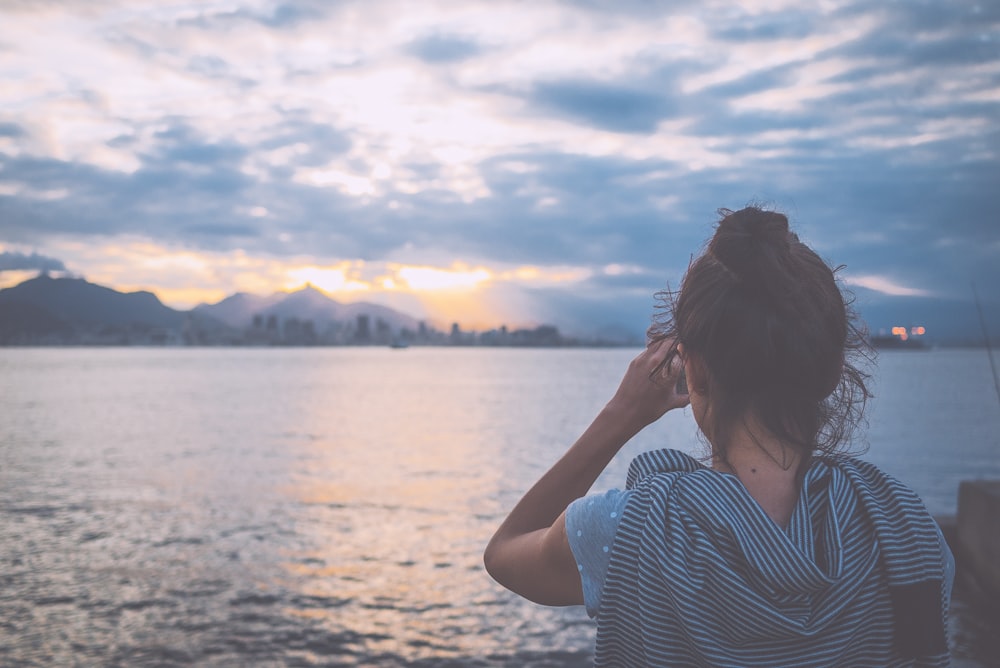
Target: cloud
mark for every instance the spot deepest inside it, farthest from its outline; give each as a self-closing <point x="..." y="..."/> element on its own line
<point x="504" y="134"/>
<point x="787" y="24"/>
<point x="280" y="16"/>
<point x="602" y="105"/>
<point x="11" y="130"/>
<point x="298" y="140"/>
<point x="886" y="286"/>
<point x="181" y="145"/>
<point x="632" y="9"/>
<point x="438" y="48"/>
<point x="14" y="261"/>
<point x="938" y="35"/>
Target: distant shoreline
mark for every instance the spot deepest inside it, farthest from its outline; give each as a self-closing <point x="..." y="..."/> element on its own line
<point x="573" y="345"/>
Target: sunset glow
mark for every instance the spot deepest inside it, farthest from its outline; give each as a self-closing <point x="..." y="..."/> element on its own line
<point x="433" y="279"/>
<point x="333" y="280"/>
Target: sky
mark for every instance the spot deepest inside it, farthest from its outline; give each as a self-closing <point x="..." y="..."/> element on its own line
<point x="494" y="162"/>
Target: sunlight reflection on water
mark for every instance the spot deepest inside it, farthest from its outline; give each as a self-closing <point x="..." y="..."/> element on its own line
<point x="293" y="507"/>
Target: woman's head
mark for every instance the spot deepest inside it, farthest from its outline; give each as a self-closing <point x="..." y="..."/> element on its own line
<point x="763" y="322"/>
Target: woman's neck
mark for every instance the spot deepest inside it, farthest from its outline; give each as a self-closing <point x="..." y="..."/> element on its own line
<point x="767" y="467"/>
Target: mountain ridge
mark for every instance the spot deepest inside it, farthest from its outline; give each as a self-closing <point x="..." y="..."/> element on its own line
<point x="306" y="303"/>
<point x="76" y="300"/>
<point x="49" y="309"/>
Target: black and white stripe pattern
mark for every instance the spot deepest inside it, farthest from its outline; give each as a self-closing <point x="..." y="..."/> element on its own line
<point x="701" y="576"/>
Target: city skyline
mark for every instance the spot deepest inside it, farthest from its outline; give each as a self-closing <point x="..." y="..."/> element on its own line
<point x="64" y="311"/>
<point x="493" y="163"/>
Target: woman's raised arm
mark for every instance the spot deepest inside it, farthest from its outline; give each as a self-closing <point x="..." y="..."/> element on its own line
<point x="530" y="554"/>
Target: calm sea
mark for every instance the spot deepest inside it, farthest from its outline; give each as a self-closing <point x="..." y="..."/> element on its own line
<point x="299" y="507"/>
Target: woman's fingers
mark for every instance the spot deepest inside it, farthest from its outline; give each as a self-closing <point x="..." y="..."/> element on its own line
<point x="649" y="388"/>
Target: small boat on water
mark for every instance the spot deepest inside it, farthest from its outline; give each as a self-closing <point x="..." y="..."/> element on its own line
<point x="901" y="338"/>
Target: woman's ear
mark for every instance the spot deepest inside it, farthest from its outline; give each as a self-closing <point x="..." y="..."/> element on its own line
<point x="697" y="374"/>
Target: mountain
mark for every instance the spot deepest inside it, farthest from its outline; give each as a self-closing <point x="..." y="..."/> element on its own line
<point x="307" y="304"/>
<point x="239" y="309"/>
<point x="65" y="311"/>
<point x="24" y="322"/>
<point x="75" y="301"/>
<point x="391" y="317"/>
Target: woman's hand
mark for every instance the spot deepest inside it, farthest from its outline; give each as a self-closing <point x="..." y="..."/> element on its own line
<point x="649" y="387"/>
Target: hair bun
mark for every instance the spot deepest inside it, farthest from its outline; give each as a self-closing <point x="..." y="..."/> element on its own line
<point x="753" y="244"/>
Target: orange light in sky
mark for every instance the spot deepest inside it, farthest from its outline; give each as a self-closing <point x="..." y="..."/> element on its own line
<point x="429" y="278"/>
<point x="327" y="279"/>
<point x="474" y="294"/>
<point x="441" y="293"/>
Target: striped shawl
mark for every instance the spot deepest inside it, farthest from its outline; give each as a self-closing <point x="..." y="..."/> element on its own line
<point x="701" y="576"/>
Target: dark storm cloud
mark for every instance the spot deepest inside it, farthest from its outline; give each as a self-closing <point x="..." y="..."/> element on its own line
<point x="13" y="261"/>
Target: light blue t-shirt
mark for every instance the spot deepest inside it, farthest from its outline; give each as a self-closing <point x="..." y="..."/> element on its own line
<point x="591" y="523"/>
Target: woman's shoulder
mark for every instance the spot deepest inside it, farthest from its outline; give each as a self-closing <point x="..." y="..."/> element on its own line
<point x="860" y="472"/>
<point x="655" y="462"/>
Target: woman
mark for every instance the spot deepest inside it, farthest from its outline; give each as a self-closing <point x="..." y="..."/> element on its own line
<point x="782" y="553"/>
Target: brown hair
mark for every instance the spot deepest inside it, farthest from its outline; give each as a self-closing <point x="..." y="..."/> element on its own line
<point x="766" y="318"/>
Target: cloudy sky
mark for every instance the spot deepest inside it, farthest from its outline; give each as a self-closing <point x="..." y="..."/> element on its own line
<point x="494" y="161"/>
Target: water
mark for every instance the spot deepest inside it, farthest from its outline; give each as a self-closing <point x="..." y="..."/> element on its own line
<point x="296" y="507"/>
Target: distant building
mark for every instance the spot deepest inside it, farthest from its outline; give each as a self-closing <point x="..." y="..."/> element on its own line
<point x="299" y="332"/>
<point x="363" y="333"/>
<point x="455" y="338"/>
